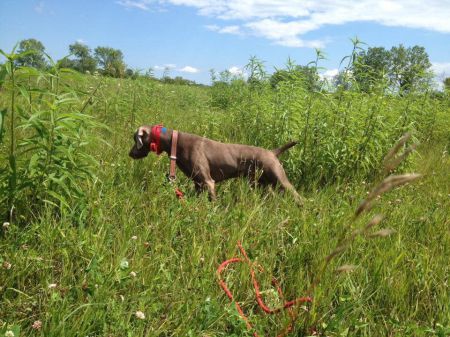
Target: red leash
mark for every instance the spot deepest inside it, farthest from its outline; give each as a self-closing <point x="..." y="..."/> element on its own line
<point x="259" y="299"/>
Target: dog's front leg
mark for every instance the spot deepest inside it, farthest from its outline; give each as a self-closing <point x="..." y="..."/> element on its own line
<point x="199" y="187"/>
<point x="211" y="189"/>
<point x="210" y="185"/>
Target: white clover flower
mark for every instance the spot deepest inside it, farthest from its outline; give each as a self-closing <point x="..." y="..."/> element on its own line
<point x="9" y="333"/>
<point x="37" y="325"/>
<point x="7" y="265"/>
<point x="52" y="285"/>
<point x="134" y="237"/>
<point x="140" y="315"/>
<point x="124" y="264"/>
<point x="6" y="225"/>
<point x="133" y="274"/>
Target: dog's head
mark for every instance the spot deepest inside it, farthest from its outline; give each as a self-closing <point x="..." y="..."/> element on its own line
<point x="141" y="146"/>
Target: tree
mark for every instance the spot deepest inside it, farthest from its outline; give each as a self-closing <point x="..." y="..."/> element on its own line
<point x="35" y="54"/>
<point x="133" y="74"/>
<point x="371" y="67"/>
<point x="83" y="61"/>
<point x="306" y="74"/>
<point x="149" y="73"/>
<point x="404" y="69"/>
<point x="66" y="63"/>
<point x="447" y="84"/>
<point x="111" y="61"/>
<point x="344" y="80"/>
<point x="310" y="77"/>
<point x="409" y="68"/>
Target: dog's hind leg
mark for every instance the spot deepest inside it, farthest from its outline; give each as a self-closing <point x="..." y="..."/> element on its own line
<point x="277" y="176"/>
<point x="211" y="185"/>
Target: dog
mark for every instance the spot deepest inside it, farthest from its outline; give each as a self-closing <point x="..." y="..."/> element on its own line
<point x="208" y="162"/>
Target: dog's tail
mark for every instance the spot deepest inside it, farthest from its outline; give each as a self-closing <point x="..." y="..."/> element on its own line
<point x="285" y="147"/>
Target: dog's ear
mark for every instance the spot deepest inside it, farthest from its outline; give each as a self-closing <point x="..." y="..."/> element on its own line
<point x="140" y="136"/>
<point x="139" y="143"/>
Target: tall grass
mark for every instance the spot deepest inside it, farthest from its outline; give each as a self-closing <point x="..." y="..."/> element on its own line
<point x="342" y="134"/>
<point x="95" y="237"/>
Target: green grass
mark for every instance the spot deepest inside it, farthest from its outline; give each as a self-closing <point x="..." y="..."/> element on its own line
<point x="129" y="220"/>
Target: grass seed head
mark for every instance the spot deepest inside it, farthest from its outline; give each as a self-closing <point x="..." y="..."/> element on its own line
<point x="385" y="186"/>
<point x="346" y="268"/>
<point x="382" y="233"/>
<point x="396" y="148"/>
<point x="374" y="221"/>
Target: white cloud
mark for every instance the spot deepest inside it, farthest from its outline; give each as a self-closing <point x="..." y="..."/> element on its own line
<point x="80" y="40"/>
<point x="441" y="69"/>
<point x="189" y="69"/>
<point x="168" y="66"/>
<point x="225" y="30"/>
<point x="284" y="22"/>
<point x="139" y="4"/>
<point x="329" y="74"/>
<point x="236" y="71"/>
<point x="230" y="30"/>
<point x="213" y="28"/>
<point x="285" y="34"/>
<point x="432" y="14"/>
<point x="441" y="72"/>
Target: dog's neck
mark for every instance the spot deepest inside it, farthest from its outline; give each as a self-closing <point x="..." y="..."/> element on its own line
<point x="166" y="141"/>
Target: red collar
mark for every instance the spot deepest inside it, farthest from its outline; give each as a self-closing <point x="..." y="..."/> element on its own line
<point x="155" y="139"/>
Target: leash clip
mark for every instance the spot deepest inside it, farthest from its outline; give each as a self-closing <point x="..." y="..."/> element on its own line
<point x="170" y="179"/>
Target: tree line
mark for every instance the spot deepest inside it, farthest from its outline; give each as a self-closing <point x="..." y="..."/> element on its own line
<point x="400" y="69"/>
<point x="106" y="61"/>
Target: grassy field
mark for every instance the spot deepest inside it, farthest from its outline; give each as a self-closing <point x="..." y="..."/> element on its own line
<point x="95" y="237"/>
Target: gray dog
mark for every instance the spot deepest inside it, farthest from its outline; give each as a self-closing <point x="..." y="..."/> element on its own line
<point x="207" y="162"/>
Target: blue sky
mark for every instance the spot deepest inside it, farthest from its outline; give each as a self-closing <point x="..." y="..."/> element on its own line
<point x="192" y="36"/>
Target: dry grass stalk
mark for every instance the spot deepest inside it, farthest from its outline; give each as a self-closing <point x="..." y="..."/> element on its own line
<point x="375" y="221"/>
<point x="385" y="186"/>
<point x="393" y="164"/>
<point x="335" y="252"/>
<point x="345" y="243"/>
<point x="382" y="233"/>
<point x="346" y="268"/>
<point x="396" y="148"/>
<point x="390" y="162"/>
